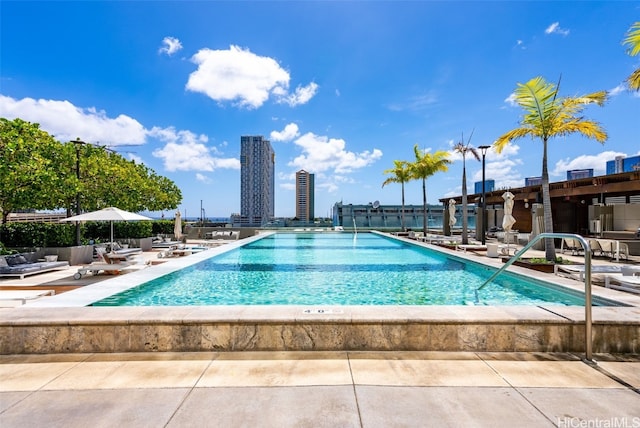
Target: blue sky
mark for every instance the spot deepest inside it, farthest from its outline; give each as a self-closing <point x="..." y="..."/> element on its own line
<point x="340" y="88"/>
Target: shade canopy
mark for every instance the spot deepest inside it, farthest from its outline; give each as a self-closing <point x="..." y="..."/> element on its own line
<point x="508" y="220"/>
<point x="452" y="212"/>
<point x="107" y="214"/>
<point x="177" y="227"/>
<point x="110" y="214"/>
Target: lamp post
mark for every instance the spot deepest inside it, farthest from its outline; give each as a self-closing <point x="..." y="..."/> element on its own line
<point x="483" y="150"/>
<point x="78" y="143"/>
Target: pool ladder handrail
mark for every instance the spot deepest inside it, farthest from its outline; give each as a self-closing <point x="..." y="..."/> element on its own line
<point x="587" y="281"/>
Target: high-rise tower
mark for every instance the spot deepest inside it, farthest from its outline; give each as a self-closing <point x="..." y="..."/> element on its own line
<point x="257" y="173"/>
<point x="304" y="196"/>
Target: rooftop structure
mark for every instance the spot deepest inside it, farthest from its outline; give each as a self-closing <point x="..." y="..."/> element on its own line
<point x="623" y="164"/>
<point x="574" y="174"/>
<point x="489" y="186"/>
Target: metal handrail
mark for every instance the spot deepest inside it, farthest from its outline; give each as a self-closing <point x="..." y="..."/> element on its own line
<point x="587" y="280"/>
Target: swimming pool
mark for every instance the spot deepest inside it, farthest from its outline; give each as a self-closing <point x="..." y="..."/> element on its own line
<point x="338" y="269"/>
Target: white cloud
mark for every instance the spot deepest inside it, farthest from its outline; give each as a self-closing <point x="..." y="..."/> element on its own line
<point x="184" y="151"/>
<point x="511" y="100"/>
<point x="202" y="178"/>
<point x="244" y="78"/>
<point x="596" y="162"/>
<point x="328" y="159"/>
<point x="556" y="29"/>
<point x="137" y="159"/>
<point x="617" y="90"/>
<point x="416" y="103"/>
<point x="321" y="153"/>
<point x="302" y="95"/>
<point x="67" y="122"/>
<point x="288" y="133"/>
<point x="170" y="46"/>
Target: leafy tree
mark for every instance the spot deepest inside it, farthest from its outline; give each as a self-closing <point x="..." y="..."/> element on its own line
<point x="633" y="42"/>
<point x="400" y="173"/>
<point x="546" y="115"/>
<point x="463" y="149"/>
<point x="426" y="165"/>
<point x="29" y="167"/>
<point x="38" y="172"/>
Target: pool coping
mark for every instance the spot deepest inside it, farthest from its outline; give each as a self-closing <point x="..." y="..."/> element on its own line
<point x="64" y="323"/>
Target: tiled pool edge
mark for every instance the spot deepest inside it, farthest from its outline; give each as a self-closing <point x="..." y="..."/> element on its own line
<point x="292" y="328"/>
<point x="63" y="324"/>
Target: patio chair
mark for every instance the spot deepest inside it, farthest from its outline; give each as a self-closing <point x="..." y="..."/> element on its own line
<point x="608" y="247"/>
<point x="571" y="271"/>
<point x="630" y="283"/>
<point x="108" y="264"/>
<point x="572" y="245"/>
<point x="595" y="246"/>
<point x="10" y="296"/>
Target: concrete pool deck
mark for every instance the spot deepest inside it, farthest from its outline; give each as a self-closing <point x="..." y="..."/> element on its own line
<point x="318" y="389"/>
<point x="61" y="366"/>
<point x="65" y="324"/>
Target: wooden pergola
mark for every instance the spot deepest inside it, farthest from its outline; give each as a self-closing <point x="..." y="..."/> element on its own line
<point x="569" y="199"/>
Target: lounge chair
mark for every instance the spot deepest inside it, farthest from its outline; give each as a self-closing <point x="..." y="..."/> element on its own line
<point x="110" y="263"/>
<point x="181" y="250"/>
<point x="471" y="247"/>
<point x="23" y="295"/>
<point x="572" y="270"/>
<point x="572" y="245"/>
<point x="119" y="249"/>
<point x="20" y="266"/>
<point x="415" y="235"/>
<point x="630" y="283"/>
<point x="595" y="246"/>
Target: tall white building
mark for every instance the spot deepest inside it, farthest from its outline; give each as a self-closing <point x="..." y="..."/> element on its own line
<point x="257" y="181"/>
<point x="304" y="196"/>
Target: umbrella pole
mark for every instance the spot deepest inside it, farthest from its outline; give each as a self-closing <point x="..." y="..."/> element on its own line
<point x="112" y="236"/>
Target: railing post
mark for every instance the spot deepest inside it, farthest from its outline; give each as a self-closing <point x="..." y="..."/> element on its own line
<point x="588" y="340"/>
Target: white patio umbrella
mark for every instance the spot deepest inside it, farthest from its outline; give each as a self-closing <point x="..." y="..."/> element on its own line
<point x="508" y="220"/>
<point x="110" y="214"/>
<point x="177" y="227"/>
<point x="452" y="212"/>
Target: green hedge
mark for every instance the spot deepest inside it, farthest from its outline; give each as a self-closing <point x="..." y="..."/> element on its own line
<point x="34" y="235"/>
<point x="162" y="227"/>
<point x="101" y="230"/>
<point x="31" y="235"/>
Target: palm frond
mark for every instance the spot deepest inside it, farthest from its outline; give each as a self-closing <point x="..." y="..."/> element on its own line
<point x="514" y="134"/>
<point x="400" y="173"/>
<point x="535" y="96"/>
<point x="475" y="153"/>
<point x="587" y="128"/>
<point x="634" y="80"/>
<point x="633" y="39"/>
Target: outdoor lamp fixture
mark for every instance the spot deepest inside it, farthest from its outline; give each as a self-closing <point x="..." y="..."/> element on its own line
<point x="78" y="143"/>
<point x="483" y="150"/>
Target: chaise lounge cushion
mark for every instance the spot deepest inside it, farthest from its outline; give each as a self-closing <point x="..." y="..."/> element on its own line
<point x="15" y="260"/>
<point x="18" y="265"/>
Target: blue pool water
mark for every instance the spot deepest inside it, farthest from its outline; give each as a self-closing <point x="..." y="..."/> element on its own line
<point x="337" y="269"/>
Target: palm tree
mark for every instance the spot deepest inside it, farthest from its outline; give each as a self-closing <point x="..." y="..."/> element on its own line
<point x="425" y="166"/>
<point x="546" y="116"/>
<point x="400" y="173"/>
<point x="633" y="40"/>
<point x="463" y="148"/>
